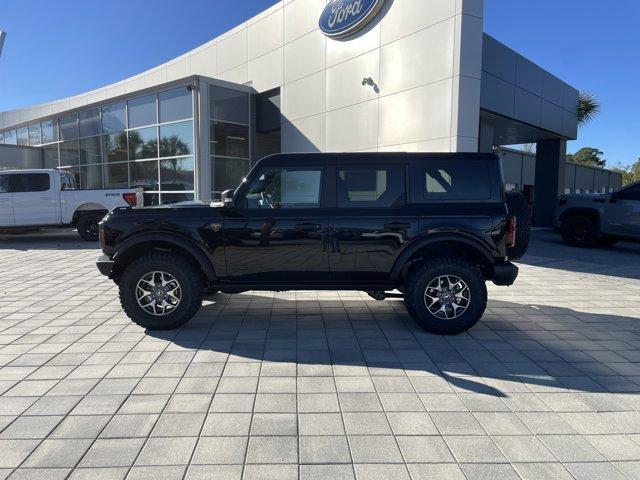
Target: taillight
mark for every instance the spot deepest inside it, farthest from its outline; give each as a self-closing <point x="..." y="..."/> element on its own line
<point x="511" y="231"/>
<point x="130" y="198"/>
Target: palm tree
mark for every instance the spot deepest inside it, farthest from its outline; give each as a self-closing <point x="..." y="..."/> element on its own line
<point x="588" y="107"/>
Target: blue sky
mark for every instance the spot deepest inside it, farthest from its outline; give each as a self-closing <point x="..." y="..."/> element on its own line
<point x="59" y="48"/>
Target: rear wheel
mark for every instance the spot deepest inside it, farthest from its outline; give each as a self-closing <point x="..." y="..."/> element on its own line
<point x="88" y="226"/>
<point x="161" y="291"/>
<point x="579" y="231"/>
<point x="446" y="296"/>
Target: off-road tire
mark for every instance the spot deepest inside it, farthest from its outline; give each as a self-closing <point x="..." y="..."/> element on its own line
<point x="579" y="231"/>
<point x="87" y="226"/>
<point x="184" y="270"/>
<point x="518" y="207"/>
<point x="420" y="277"/>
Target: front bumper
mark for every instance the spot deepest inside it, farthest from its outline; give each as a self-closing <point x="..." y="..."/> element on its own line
<point x="504" y="273"/>
<point x="105" y="265"/>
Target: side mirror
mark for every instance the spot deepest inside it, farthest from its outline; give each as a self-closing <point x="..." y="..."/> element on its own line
<point x="227" y="198"/>
<point x="614" y="197"/>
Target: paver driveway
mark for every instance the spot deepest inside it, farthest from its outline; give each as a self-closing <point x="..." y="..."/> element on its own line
<point x="320" y="385"/>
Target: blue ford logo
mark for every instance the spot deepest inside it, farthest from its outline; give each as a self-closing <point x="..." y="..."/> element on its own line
<point x="344" y="17"/>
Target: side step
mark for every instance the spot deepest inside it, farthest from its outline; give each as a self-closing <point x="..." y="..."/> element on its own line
<point x="381" y="295"/>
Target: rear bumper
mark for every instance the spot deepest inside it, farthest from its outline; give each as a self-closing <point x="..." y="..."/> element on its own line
<point x="504" y="273"/>
<point x="105" y="265"/>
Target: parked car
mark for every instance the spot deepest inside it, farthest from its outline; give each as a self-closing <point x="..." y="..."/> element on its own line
<point x="434" y="226"/>
<point x="585" y="220"/>
<point x="34" y="199"/>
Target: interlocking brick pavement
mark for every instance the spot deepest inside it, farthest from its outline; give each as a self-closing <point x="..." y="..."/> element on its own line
<point x="320" y="385"/>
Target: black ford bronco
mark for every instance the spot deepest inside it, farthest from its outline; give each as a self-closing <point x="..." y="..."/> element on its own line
<point x="433" y="226"/>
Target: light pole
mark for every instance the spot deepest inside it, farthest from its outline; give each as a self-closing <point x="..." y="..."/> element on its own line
<point x="2" y="35"/>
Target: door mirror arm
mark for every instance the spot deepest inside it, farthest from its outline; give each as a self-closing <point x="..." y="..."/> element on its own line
<point x="228" y="198"/>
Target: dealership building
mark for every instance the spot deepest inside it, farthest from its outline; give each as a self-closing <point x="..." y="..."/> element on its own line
<point x="307" y="76"/>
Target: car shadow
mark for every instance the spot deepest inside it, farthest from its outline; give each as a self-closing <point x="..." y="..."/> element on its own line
<point x="547" y="249"/>
<point x="64" y="239"/>
<point x="516" y="348"/>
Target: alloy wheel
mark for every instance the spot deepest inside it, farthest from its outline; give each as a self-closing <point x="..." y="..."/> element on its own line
<point x="447" y="297"/>
<point x="158" y="293"/>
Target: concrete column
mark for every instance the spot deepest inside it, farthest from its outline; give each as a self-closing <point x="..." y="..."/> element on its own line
<point x="467" y="75"/>
<point x="551" y="159"/>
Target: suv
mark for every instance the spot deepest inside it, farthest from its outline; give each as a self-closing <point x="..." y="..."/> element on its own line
<point x="585" y="220"/>
<point x="433" y="226"/>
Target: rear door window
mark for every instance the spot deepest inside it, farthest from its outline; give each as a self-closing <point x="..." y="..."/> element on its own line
<point x="29" y="182"/>
<point x="454" y="180"/>
<point x="371" y="187"/>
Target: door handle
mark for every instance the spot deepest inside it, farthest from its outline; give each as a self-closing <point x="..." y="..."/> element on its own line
<point x="308" y="227"/>
<point x="397" y="226"/>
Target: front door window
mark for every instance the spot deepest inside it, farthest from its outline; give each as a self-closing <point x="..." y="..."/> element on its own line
<point x="282" y="188"/>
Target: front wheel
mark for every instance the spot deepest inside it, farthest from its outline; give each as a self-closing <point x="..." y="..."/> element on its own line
<point x="579" y="231"/>
<point x="446" y="296"/>
<point x="161" y="291"/>
<point x="88" y="227"/>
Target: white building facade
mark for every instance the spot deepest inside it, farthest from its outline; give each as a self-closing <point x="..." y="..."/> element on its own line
<point x="404" y="75"/>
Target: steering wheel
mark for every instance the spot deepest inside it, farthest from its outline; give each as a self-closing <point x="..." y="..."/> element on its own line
<point x="265" y="199"/>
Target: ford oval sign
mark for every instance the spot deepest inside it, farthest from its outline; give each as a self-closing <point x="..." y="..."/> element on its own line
<point x="344" y="17"/>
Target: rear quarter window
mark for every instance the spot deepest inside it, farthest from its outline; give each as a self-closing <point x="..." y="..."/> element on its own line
<point x="30" y="182"/>
<point x="452" y="180"/>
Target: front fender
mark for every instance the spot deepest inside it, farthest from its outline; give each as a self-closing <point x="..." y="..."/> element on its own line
<point x="472" y="241"/>
<point x="171" y="238"/>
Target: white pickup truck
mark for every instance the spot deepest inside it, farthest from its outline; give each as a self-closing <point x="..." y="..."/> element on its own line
<point x="34" y="199"/>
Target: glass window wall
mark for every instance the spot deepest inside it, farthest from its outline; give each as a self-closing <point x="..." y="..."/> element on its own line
<point x="116" y="175"/>
<point x="68" y="127"/>
<point x="177" y="174"/>
<point x="50" y="155"/>
<point x="114" y="118"/>
<point x="144" y="175"/>
<point x="23" y="136"/>
<point x="90" y="150"/>
<point x="175" y="105"/>
<point x="229" y="105"/>
<point x="91" y="177"/>
<point x="90" y="124"/>
<point x="115" y="147"/>
<point x="229" y="138"/>
<point x="143" y="143"/>
<point x="49" y="132"/>
<point x="142" y="111"/>
<point x="176" y="139"/>
<point x="123" y="145"/>
<point x="10" y="137"/>
<point x="35" y="135"/>
<point x="69" y="154"/>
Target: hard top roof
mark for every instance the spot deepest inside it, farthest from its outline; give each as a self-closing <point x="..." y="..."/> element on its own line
<point x="366" y="158"/>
